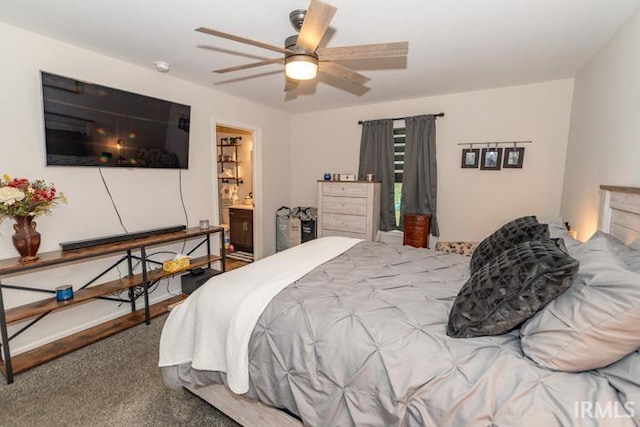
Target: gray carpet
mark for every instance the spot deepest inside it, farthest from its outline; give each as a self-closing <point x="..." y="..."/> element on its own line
<point x="115" y="382"/>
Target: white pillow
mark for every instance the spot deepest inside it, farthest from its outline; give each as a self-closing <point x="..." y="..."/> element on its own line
<point x="595" y="322"/>
<point x="558" y="230"/>
<point x="630" y="256"/>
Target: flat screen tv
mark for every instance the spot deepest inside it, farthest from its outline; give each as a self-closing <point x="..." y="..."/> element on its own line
<point x="91" y="125"/>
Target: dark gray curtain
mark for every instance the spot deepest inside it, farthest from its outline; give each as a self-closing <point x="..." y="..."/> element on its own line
<point x="419" y="178"/>
<point x="376" y="157"/>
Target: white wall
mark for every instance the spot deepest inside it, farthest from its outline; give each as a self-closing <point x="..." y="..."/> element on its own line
<point x="145" y="198"/>
<point x="604" y="145"/>
<point x="471" y="203"/>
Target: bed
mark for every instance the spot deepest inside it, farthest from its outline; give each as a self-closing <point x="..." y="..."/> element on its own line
<point x="361" y="336"/>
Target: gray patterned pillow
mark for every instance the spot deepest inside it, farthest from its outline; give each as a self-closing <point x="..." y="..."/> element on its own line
<point x="504" y="293"/>
<point x="517" y="231"/>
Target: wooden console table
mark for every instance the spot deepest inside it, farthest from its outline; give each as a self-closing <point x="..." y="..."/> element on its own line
<point x="88" y="292"/>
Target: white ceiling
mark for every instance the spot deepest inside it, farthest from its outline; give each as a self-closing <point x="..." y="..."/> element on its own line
<point x="454" y="45"/>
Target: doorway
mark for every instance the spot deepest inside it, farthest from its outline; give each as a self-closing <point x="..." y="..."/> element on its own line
<point x="235" y="176"/>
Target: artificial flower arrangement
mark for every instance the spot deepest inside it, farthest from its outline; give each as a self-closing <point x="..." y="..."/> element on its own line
<point x="20" y="197"/>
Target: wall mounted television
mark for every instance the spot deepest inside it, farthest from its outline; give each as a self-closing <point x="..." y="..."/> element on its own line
<point x="91" y="125"/>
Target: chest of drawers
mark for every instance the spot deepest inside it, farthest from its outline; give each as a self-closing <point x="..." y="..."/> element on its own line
<point x="416" y="230"/>
<point x="349" y="208"/>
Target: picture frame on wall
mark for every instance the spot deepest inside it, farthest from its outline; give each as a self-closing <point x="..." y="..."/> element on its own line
<point x="470" y="158"/>
<point x="513" y="157"/>
<point x="491" y="159"/>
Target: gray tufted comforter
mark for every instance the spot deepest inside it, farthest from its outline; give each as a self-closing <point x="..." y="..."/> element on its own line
<point x="361" y="341"/>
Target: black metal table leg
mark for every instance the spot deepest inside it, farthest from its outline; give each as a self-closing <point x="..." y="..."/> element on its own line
<point x="223" y="251"/>
<point x="132" y="294"/>
<point x="145" y="285"/>
<point x="5" y="352"/>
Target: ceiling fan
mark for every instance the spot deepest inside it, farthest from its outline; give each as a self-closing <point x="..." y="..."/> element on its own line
<point x="303" y="59"/>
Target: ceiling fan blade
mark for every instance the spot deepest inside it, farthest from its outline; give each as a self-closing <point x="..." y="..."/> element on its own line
<point x="342" y="72"/>
<point x="291" y="84"/>
<point x="315" y="24"/>
<point x="252" y="65"/>
<point x="241" y="39"/>
<point x="364" y="51"/>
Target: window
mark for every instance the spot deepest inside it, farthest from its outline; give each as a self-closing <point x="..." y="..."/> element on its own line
<point x="399" y="136"/>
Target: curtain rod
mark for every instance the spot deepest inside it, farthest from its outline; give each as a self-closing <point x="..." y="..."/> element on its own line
<point x="402" y="118"/>
<point x="490" y="143"/>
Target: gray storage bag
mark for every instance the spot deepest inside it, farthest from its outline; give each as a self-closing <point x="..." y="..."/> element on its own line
<point x="287" y="229"/>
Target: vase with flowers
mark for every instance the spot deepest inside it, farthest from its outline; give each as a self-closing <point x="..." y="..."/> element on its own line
<point x="23" y="200"/>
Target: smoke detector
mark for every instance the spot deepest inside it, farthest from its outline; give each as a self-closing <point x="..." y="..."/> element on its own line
<point x="162" y="66"/>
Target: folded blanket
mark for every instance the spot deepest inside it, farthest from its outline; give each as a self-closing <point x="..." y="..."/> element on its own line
<point x="221" y="314"/>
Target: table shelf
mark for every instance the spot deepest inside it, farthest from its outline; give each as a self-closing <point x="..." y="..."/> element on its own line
<point x="35" y="308"/>
<point x="38" y="309"/>
<point x="66" y="345"/>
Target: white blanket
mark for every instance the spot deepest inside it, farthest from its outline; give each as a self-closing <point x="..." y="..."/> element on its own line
<point x="212" y="328"/>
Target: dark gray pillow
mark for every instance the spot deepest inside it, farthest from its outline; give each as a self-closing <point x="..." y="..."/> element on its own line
<point x="519" y="230"/>
<point x="504" y="293"/>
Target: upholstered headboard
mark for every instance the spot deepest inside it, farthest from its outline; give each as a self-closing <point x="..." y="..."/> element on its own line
<point x="620" y="213"/>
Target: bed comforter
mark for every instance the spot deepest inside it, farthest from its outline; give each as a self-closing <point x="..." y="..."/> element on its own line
<point x="361" y="340"/>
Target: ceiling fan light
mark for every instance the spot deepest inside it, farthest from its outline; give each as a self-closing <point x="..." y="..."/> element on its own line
<point x="301" y="67"/>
